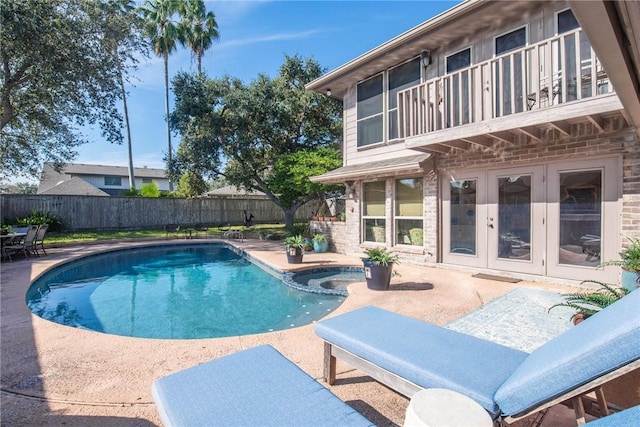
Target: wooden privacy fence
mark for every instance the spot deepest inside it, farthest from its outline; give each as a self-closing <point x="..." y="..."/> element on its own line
<point x="135" y="213"/>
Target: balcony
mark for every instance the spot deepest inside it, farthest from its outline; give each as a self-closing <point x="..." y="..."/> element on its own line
<point x="554" y="83"/>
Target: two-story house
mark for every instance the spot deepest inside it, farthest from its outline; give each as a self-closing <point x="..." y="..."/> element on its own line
<point x="489" y="138"/>
<point x="84" y="179"/>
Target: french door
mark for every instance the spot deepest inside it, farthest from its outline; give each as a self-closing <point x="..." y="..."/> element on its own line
<point x="560" y="219"/>
<point x="515" y="220"/>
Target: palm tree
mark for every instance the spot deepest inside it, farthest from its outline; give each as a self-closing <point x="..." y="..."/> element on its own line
<point x="164" y="34"/>
<point x="199" y="29"/>
<point x="122" y="32"/>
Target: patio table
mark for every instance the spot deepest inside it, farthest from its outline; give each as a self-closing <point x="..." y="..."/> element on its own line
<point x="9" y="239"/>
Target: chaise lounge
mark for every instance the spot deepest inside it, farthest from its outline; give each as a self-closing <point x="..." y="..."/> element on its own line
<point x="254" y="387"/>
<point x="409" y="355"/>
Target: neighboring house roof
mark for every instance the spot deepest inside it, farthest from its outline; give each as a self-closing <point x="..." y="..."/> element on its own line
<point x="402" y="165"/>
<point x="230" y="190"/>
<point x="104" y="170"/>
<point x="74" y="187"/>
<point x="50" y="177"/>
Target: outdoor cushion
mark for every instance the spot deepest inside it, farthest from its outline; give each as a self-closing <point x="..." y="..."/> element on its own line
<point x="602" y="343"/>
<point x="253" y="387"/>
<point x="425" y="354"/>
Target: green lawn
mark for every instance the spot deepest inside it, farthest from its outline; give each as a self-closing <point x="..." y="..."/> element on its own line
<point x="77" y="237"/>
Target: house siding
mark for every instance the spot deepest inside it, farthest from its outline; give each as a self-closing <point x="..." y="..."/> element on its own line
<point x="543" y="140"/>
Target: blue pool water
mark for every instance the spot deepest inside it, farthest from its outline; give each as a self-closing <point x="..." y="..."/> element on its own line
<point x="199" y="291"/>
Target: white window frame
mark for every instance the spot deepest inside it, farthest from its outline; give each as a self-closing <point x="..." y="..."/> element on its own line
<point x="526" y="39"/>
<point x="106" y="184"/>
<point x="397" y="217"/>
<point x="384" y="109"/>
<point x="556" y="30"/>
<point x="374" y="217"/>
<point x="471" y="58"/>
<point x="386" y="89"/>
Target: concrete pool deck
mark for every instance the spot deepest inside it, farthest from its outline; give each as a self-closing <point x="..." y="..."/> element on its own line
<point x="53" y="375"/>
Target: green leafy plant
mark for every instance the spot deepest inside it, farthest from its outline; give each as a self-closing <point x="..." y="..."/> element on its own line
<point x="41" y="217"/>
<point x="381" y="256"/>
<point x="630" y="257"/>
<point x="591" y="302"/>
<point x="150" y="190"/>
<point x="319" y="237"/>
<point x="5" y="229"/>
<point x="132" y="192"/>
<point x="295" y="241"/>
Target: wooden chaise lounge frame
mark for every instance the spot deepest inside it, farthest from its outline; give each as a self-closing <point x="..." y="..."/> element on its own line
<point x="407" y="388"/>
<point x="408" y="355"/>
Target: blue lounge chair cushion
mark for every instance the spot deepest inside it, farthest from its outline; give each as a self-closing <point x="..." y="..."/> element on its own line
<point x="425" y="354"/>
<point x="627" y="418"/>
<point x="602" y="343"/>
<point x="253" y="387"/>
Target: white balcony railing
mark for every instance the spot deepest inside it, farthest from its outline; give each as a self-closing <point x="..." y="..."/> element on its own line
<point x="555" y="71"/>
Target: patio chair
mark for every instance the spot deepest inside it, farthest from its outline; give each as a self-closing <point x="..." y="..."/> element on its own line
<point x="253" y="387"/>
<point x="171" y="228"/>
<point x="39" y="240"/>
<point x="22" y="244"/>
<point x="409" y="355"/>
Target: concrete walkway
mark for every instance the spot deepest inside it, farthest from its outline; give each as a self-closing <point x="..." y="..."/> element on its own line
<point x="55" y="375"/>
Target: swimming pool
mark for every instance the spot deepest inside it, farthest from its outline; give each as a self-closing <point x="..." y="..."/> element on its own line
<point x="177" y="292"/>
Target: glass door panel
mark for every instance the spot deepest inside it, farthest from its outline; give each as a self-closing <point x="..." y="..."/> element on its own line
<point x="516" y="220"/>
<point x="514" y="217"/>
<point x="463" y="217"/>
<point x="580" y="218"/>
<point x="465" y="212"/>
<point x="584" y="205"/>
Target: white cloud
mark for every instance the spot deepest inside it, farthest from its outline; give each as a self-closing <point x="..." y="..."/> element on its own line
<point x="268" y="38"/>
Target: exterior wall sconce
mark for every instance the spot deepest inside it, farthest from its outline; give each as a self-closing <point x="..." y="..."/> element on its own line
<point x="351" y="190"/>
<point x="425" y="58"/>
<point x="328" y="92"/>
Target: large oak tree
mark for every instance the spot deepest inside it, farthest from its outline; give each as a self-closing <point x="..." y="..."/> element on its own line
<point x="253" y="134"/>
<point x="58" y="74"/>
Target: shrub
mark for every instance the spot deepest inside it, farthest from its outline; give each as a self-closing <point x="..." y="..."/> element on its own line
<point x="40" y="217"/>
<point x="150" y="190"/>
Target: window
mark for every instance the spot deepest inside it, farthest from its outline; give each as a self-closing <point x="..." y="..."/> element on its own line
<point x="463" y="196"/>
<point x="115" y="181"/>
<point x="566" y="21"/>
<point x="511" y="41"/>
<point x="409" y="211"/>
<point x="370" y="111"/>
<point x="400" y="78"/>
<point x="456" y="90"/>
<point x="459" y="60"/>
<point x="147" y="180"/>
<point x="510" y="65"/>
<point x="374" y="211"/>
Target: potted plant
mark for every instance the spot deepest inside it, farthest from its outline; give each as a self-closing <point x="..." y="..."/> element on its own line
<point x="378" y="266"/>
<point x="320" y="243"/>
<point x="589" y="303"/>
<point x="630" y="263"/>
<point x="622" y="391"/>
<point x="294" y="245"/>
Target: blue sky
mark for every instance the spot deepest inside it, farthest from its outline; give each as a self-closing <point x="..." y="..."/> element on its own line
<point x="254" y="37"/>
